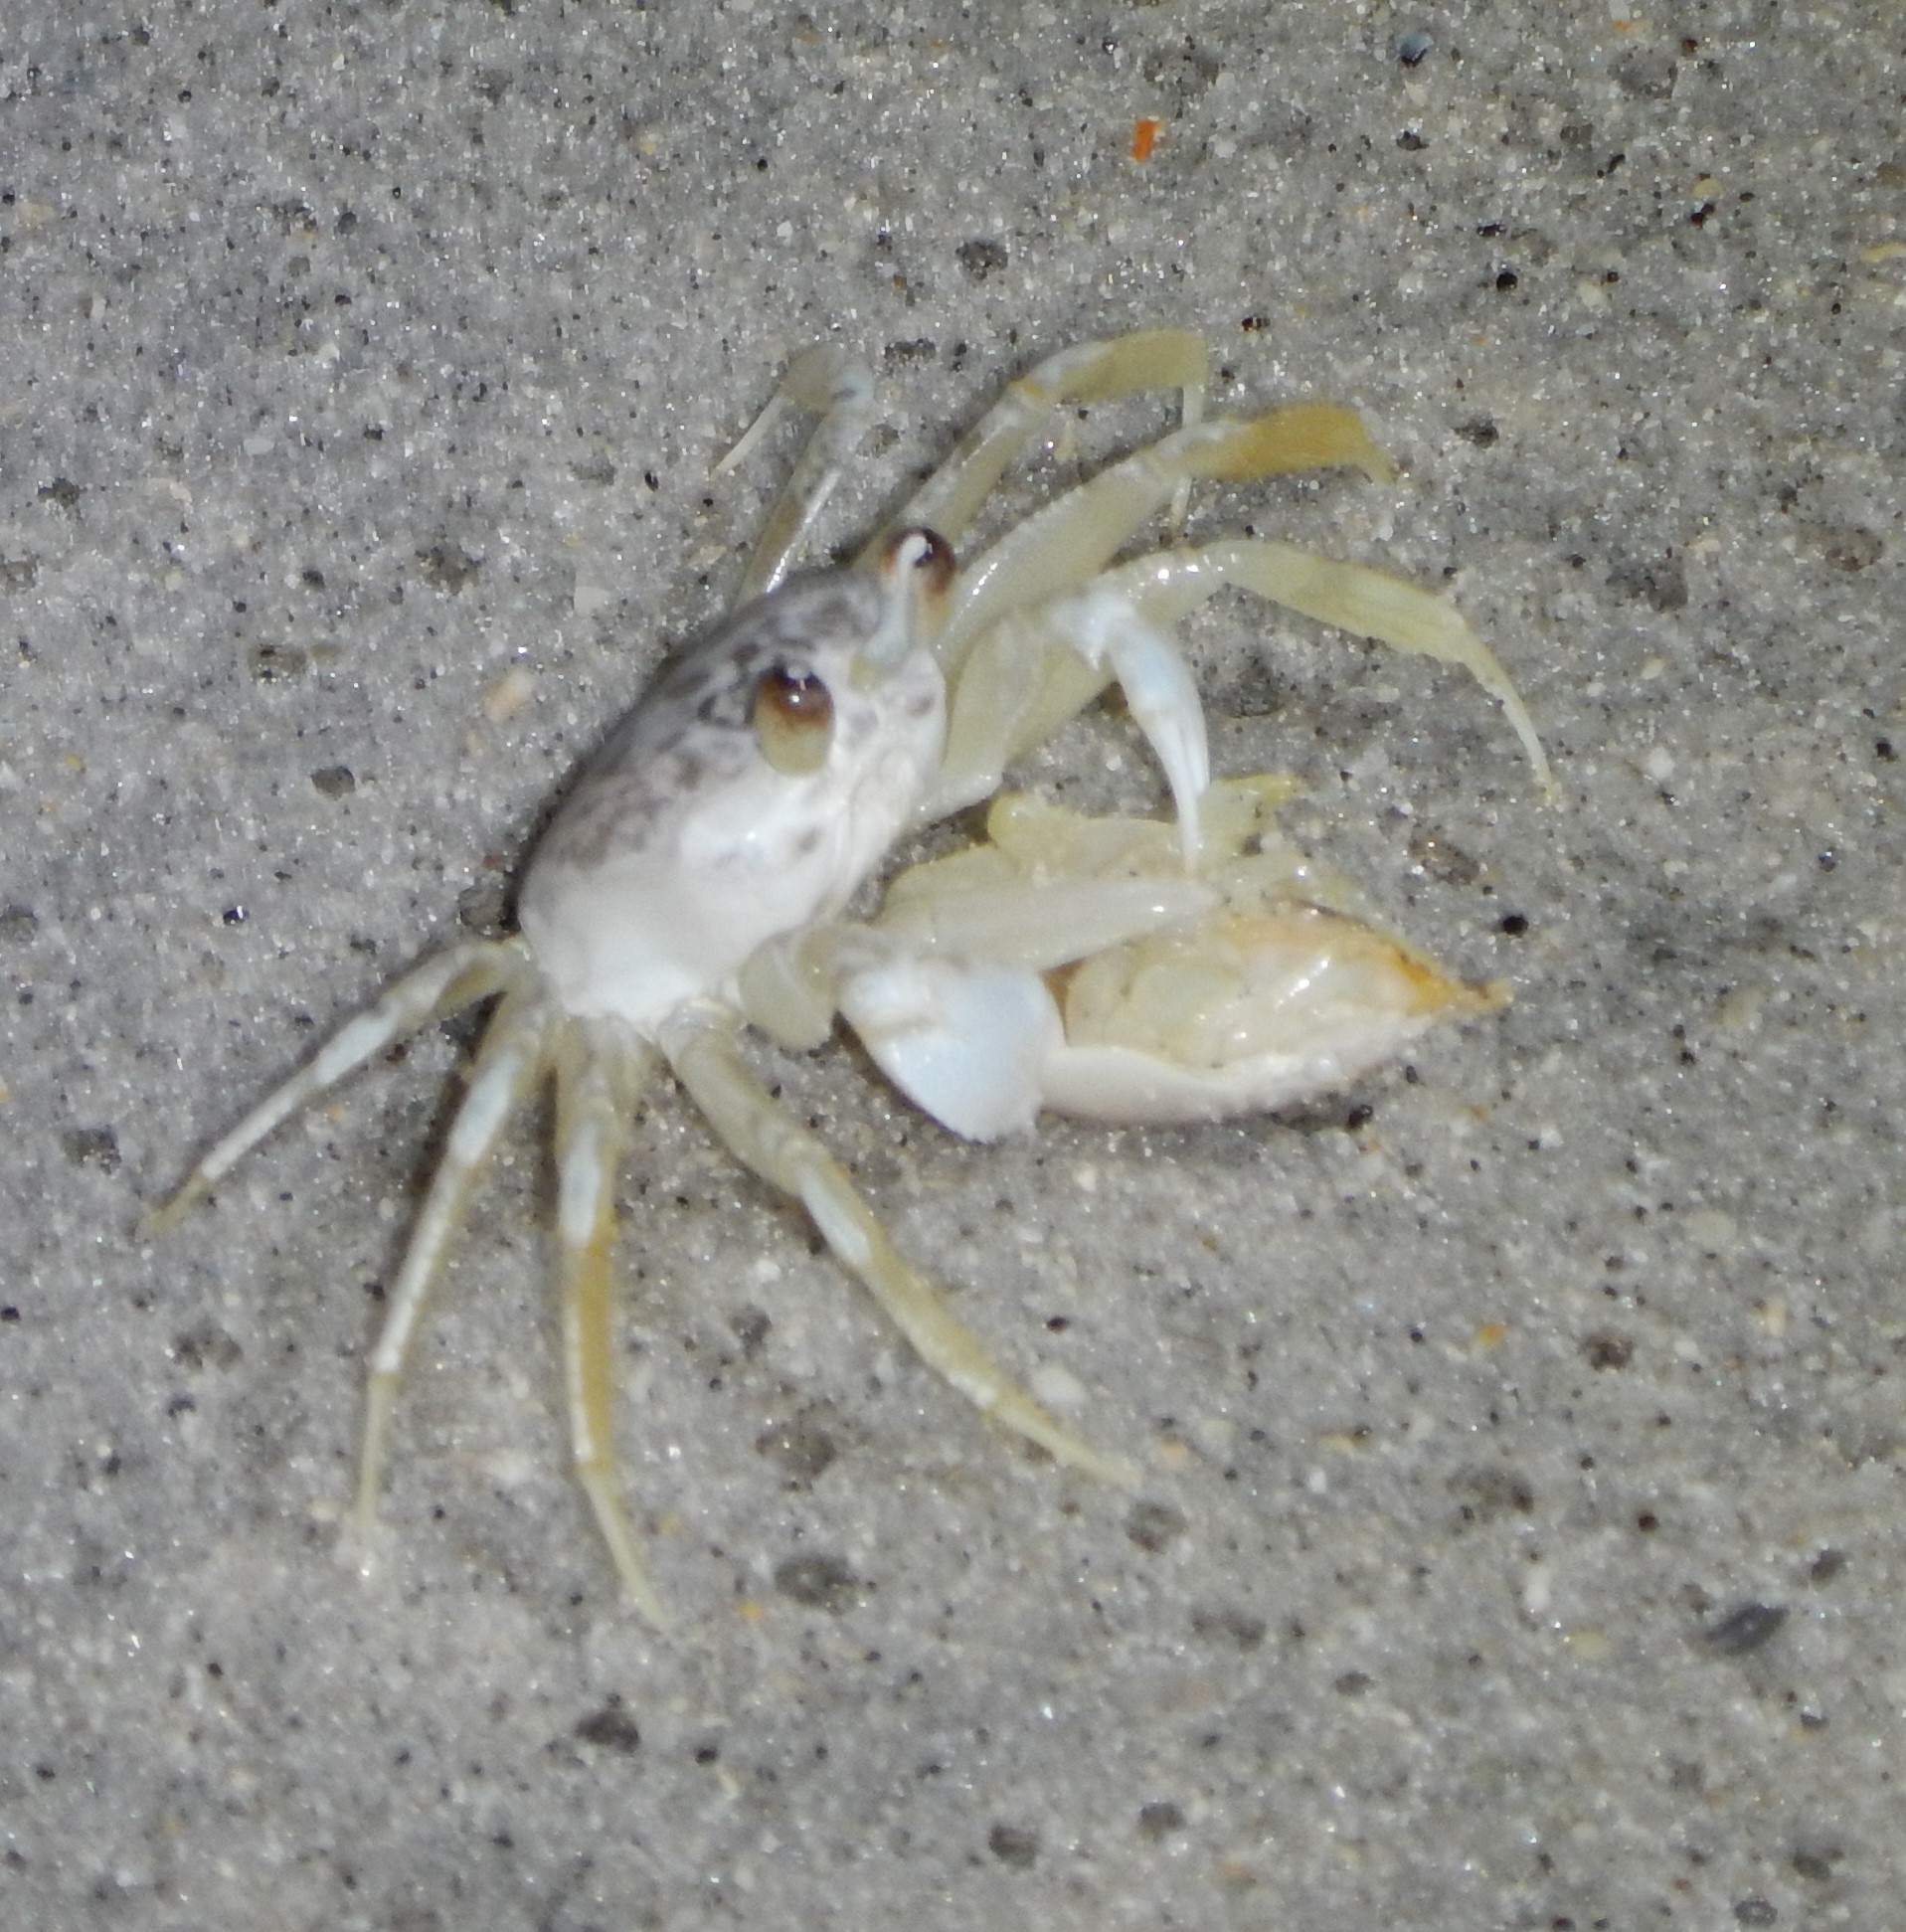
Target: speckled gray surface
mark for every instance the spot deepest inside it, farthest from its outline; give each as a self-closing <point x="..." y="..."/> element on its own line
<point x="356" y="357"/>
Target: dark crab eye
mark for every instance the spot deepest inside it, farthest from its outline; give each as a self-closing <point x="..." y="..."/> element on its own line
<point x="793" y="720"/>
<point x="932" y="557"/>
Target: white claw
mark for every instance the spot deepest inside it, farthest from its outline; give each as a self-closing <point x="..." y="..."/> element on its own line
<point x="1249" y="995"/>
<point x="1109" y="633"/>
<point x="965" y="1042"/>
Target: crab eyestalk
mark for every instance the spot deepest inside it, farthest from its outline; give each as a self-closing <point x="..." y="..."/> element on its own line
<point x="916" y="573"/>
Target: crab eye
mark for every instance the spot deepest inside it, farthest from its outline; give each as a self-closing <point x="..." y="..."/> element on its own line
<point x="793" y="720"/>
<point x="930" y="555"/>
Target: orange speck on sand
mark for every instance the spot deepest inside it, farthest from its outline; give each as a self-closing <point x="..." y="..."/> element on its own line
<point x="1492" y="1334"/>
<point x="1144" y="136"/>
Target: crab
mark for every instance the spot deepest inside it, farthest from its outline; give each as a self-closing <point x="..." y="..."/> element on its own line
<point x="697" y="875"/>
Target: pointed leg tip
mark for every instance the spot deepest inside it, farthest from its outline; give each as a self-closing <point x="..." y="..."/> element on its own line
<point x="638" y="1592"/>
<point x="356" y="1548"/>
<point x="1105" y="1465"/>
<point x="1119" y="1470"/>
<point x="163" y="1216"/>
<point x="648" y="1606"/>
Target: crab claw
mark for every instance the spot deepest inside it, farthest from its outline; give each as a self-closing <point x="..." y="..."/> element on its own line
<point x="1247" y="1012"/>
<point x="967" y="1042"/>
<point x="1063" y="966"/>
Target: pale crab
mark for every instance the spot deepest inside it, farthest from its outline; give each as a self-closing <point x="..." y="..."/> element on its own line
<point x="697" y="873"/>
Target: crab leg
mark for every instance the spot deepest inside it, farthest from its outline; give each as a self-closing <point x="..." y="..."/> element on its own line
<point x="441" y="985"/>
<point x="1089" y="372"/>
<point x="1027" y="676"/>
<point x="1366" y="602"/>
<point x="1071" y="540"/>
<point x="835" y="381"/>
<point x="1047" y="662"/>
<point x="699" y="1042"/>
<point x="513" y="1054"/>
<point x="601" y="1069"/>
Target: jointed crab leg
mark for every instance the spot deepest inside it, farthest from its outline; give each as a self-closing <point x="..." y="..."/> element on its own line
<point x="512" y="1056"/>
<point x="1047" y="654"/>
<point x="441" y="985"/>
<point x="601" y="1068"/>
<point x="699" y="1042"/>
<point x="830" y="379"/>
<point x="1367" y="602"/>
<point x="1070" y="540"/>
<point x="1089" y="372"/>
<point x="825" y="378"/>
<point x="1027" y="676"/>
